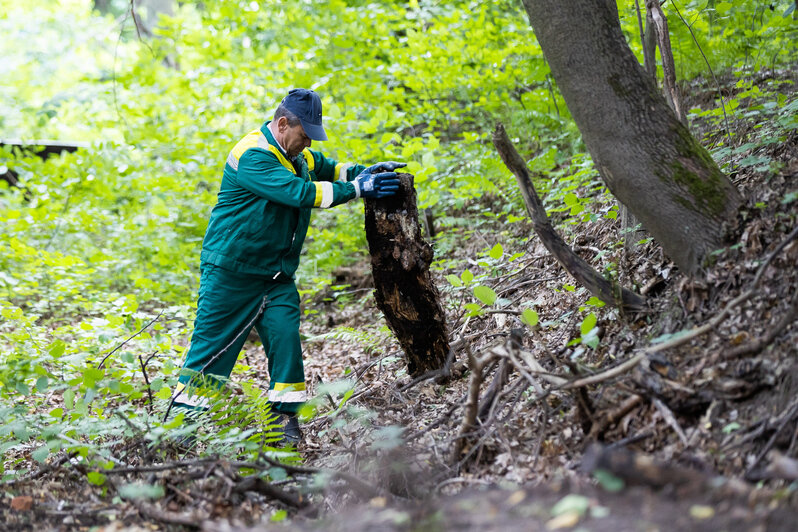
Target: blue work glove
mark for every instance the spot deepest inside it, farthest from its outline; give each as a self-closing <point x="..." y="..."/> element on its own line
<point x="374" y="182"/>
<point x="387" y="166"/>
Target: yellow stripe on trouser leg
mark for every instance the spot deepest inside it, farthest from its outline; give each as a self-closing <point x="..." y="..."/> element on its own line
<point x="288" y="392"/>
<point x="227" y="303"/>
<point x="189" y="397"/>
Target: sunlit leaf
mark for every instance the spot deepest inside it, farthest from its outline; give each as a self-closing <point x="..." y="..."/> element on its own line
<point x="485" y="294"/>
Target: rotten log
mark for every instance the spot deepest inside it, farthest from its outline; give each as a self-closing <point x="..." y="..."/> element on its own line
<point x="404" y="290"/>
<point x="609" y="292"/>
<point x="42" y="148"/>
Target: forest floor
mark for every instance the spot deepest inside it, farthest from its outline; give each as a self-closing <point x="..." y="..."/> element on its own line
<point x="699" y="433"/>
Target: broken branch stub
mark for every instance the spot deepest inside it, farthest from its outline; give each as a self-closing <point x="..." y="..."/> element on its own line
<point x="404" y="290"/>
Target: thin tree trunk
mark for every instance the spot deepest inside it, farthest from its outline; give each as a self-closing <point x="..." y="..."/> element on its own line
<point x="646" y="156"/>
<point x="670" y="88"/>
<point x="609" y="292"/>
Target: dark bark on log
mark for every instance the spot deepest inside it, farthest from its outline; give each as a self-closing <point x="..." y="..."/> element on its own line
<point x="643" y="152"/>
<point x="404" y="290"/>
<point x="610" y="293"/>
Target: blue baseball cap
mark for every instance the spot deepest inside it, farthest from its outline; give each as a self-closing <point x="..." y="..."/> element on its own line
<point x="306" y="105"/>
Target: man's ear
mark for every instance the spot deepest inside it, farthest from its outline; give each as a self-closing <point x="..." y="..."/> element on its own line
<point x="282" y="124"/>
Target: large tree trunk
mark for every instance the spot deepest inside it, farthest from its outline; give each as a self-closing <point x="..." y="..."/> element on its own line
<point x="404" y="290"/>
<point x="648" y="158"/>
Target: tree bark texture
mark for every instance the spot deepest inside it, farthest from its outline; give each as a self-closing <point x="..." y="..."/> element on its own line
<point x="610" y="293"/>
<point x="646" y="156"/>
<point x="404" y="290"/>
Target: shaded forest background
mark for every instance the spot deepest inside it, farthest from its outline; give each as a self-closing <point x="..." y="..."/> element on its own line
<point x="99" y="259"/>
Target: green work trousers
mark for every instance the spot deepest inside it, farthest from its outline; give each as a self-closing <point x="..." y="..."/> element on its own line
<point x="228" y="303"/>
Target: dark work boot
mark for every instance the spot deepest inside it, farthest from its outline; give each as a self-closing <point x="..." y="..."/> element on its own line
<point x="291" y="433"/>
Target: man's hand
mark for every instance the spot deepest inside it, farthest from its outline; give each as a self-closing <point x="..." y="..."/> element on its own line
<point x="376" y="182"/>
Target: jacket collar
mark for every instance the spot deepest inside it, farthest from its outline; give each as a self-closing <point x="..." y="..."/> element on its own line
<point x="273" y="141"/>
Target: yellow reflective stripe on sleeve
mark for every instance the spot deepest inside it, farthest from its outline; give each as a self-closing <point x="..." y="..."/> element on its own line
<point x="309" y="158"/>
<point x="280" y="386"/>
<point x="340" y="170"/>
<point x="324" y="194"/>
<point x="319" y="194"/>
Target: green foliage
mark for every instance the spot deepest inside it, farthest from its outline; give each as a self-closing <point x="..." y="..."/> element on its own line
<point x="95" y="243"/>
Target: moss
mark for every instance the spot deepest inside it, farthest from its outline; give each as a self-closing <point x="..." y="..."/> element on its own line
<point x="620" y="91"/>
<point x="708" y="193"/>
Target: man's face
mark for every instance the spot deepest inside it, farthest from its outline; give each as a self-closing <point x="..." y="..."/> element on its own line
<point x="294" y="139"/>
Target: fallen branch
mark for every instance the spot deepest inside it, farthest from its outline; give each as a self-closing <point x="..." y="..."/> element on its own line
<point x="670" y="419"/>
<point x="684" y="337"/>
<point x="365" y="489"/>
<point x="164" y="516"/>
<point x="609" y="292"/>
<point x="613" y="416"/>
<point x="792" y="411"/>
<point x="43" y="470"/>
<point x="146" y="378"/>
<point x="755" y="346"/>
<point x="258" y="485"/>
<point x="117" y="348"/>
<point x="471" y="408"/>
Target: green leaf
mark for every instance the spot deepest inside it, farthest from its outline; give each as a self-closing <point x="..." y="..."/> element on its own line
<point x="164" y="393"/>
<point x="496" y="251"/>
<point x="69" y="398"/>
<point x="140" y="490"/>
<point x="473" y="309"/>
<point x="96" y="478"/>
<point x="57" y="348"/>
<point x="454" y="280"/>
<point x="595" y="302"/>
<point x="731" y="427"/>
<point x="56" y="412"/>
<point x="608" y="481"/>
<point x="588" y="324"/>
<point x="723" y="7"/>
<point x="485" y="294"/>
<point x="467" y="276"/>
<point x="40" y="454"/>
<point x="591" y="339"/>
<point x="41" y="384"/>
<point x="22" y="388"/>
<point x="278" y="515"/>
<point x="571" y="503"/>
<point x="529" y="317"/>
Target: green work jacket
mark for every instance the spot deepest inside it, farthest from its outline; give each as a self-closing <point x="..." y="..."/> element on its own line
<point x="262" y="214"/>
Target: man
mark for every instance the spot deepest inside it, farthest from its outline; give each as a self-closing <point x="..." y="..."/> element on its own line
<point x="271" y="182"/>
